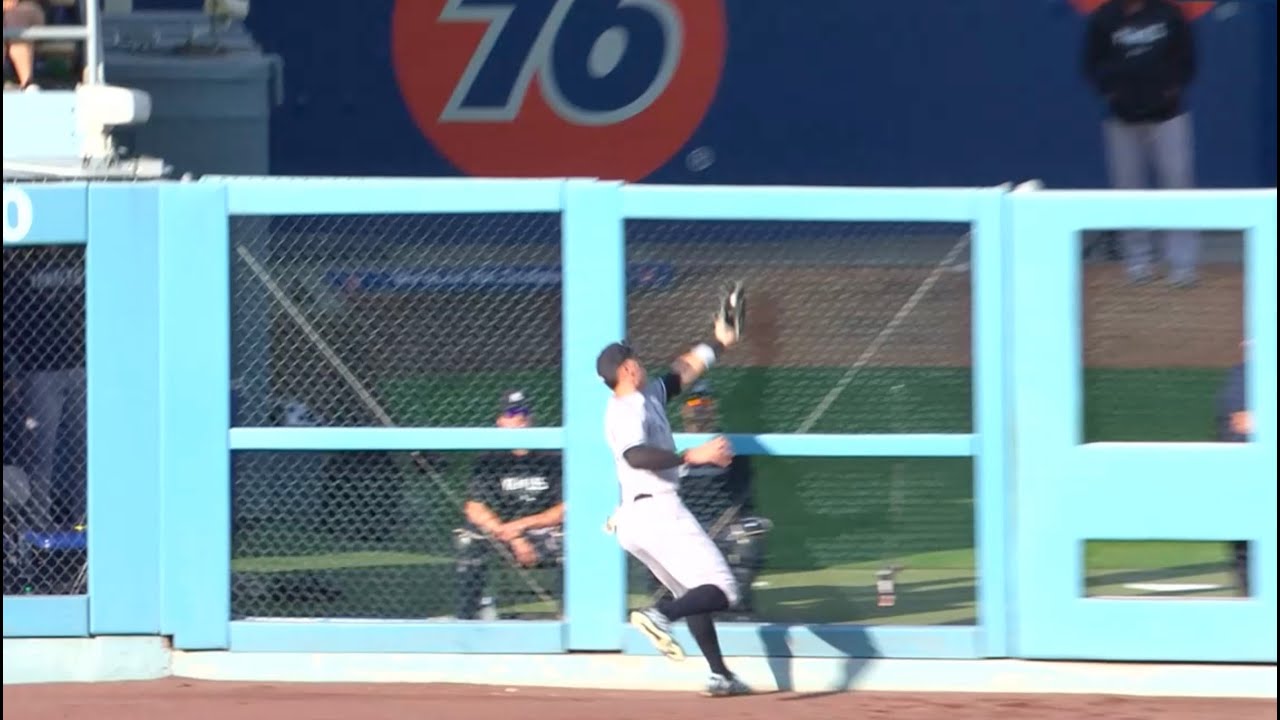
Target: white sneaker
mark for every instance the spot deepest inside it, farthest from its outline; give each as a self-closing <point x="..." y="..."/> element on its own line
<point x="721" y="686"/>
<point x="655" y="626"/>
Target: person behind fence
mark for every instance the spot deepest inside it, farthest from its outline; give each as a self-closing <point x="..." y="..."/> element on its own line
<point x="1139" y="55"/>
<point x="17" y="490"/>
<point x="44" y="364"/>
<point x="20" y="55"/>
<point x="1234" y="423"/>
<point x="514" y="512"/>
<point x="721" y="499"/>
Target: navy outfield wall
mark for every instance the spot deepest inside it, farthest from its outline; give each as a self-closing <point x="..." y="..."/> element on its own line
<point x="926" y="92"/>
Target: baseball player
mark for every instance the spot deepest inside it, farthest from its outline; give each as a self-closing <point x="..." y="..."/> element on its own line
<point x="652" y="523"/>
<point x="514" y="498"/>
<point x="721" y="498"/>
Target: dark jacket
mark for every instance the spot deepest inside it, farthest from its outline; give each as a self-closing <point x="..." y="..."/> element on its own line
<point x="709" y="490"/>
<point x="1140" y="63"/>
<point x="1231" y="400"/>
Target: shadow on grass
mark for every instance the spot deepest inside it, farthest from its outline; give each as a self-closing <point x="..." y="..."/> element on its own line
<point x="424" y="591"/>
<point x="852" y="642"/>
<point x="1155" y="575"/>
<point x="406" y="592"/>
<point x="808" y="604"/>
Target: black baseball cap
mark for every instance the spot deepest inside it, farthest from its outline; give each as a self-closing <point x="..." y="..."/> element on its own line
<point x="610" y="359"/>
<point x="514" y="402"/>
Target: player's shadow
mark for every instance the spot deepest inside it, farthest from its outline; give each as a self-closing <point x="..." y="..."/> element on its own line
<point x="802" y="604"/>
<point x="854" y="647"/>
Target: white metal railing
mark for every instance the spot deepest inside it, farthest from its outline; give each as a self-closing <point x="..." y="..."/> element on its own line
<point x="90" y="33"/>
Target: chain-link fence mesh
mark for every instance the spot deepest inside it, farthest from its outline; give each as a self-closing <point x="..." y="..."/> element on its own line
<point x="852" y="327"/>
<point x="1157" y="352"/>
<point x="388" y="320"/>
<point x="386" y="535"/>
<point x="834" y="540"/>
<point x="426" y="318"/>
<point x="44" y="420"/>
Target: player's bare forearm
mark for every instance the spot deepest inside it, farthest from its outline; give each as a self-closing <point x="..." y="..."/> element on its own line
<point x="479" y="514"/>
<point x="690" y="366"/>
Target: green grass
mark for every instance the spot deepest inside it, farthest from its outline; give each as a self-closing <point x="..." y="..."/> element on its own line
<point x="1153" y="404"/>
<point x="400" y="585"/>
<point x="837" y="520"/>
<point x="1122" y="555"/>
<point x="335" y="561"/>
<point x="1150" y="405"/>
<point x="1112" y="567"/>
<point x="752" y="399"/>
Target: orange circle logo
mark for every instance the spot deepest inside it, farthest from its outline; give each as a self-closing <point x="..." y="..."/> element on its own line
<point x="1191" y="9"/>
<point x="598" y="88"/>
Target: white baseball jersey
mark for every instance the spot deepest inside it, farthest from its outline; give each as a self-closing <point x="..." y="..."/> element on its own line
<point x="659" y="530"/>
<point x="641" y="419"/>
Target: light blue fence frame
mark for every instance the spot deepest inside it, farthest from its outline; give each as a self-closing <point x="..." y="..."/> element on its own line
<point x="275" y="196"/>
<point x="48" y="215"/>
<point x="979" y="208"/>
<point x="120" y="367"/>
<point x="1070" y="492"/>
<point x="158" y="296"/>
<point x="594" y="292"/>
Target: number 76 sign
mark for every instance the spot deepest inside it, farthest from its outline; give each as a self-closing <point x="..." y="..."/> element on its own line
<point x="599" y="88"/>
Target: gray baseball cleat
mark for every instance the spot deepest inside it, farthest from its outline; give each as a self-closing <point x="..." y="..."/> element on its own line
<point x="655" y="626"/>
<point x="721" y="686"/>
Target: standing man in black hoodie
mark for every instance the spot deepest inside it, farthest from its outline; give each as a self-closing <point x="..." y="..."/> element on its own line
<point x="1140" y="56"/>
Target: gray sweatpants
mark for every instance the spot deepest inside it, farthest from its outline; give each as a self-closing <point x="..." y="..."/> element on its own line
<point x="1133" y="150"/>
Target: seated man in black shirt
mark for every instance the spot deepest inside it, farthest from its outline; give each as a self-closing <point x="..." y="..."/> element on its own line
<point x="721" y="498"/>
<point x="44" y="360"/>
<point x="514" y="500"/>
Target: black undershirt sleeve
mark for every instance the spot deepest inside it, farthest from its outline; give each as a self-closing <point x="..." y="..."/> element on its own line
<point x="671" y="381"/>
<point x="645" y="457"/>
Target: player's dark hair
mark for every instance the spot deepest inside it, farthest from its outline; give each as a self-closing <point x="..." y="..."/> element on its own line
<point x="611" y="360"/>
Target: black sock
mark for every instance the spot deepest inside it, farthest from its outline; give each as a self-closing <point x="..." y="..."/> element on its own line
<point x="704" y="632"/>
<point x="701" y="600"/>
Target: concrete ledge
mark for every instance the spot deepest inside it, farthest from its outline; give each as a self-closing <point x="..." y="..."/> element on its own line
<point x="114" y="659"/>
<point x="622" y="672"/>
<point x="85" y="659"/>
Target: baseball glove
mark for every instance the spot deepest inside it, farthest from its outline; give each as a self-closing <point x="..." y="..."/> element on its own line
<point x="733" y="308"/>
